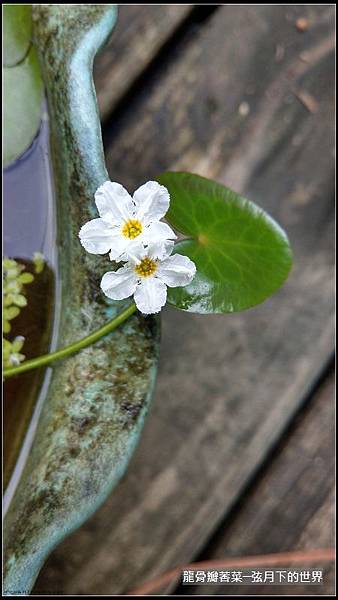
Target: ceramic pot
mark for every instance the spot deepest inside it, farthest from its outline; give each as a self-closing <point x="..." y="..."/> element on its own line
<point x="97" y="400"/>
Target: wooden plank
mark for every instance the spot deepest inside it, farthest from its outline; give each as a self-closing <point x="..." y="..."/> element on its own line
<point x="228" y="385"/>
<point x="138" y="35"/>
<point x="291" y="508"/>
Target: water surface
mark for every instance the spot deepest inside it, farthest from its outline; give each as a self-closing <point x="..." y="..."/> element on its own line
<point x="29" y="226"/>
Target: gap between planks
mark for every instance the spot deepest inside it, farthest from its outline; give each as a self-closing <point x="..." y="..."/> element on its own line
<point x="290" y="504"/>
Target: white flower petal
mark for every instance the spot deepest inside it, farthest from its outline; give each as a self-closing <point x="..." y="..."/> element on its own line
<point x="160" y="250"/>
<point x="150" y="295"/>
<point x="152" y="202"/>
<point x="118" y="247"/>
<point x="119" y="284"/>
<point x="114" y="203"/>
<point x="176" y="270"/>
<point x="96" y="236"/>
<point x="158" y="231"/>
<point x="134" y="250"/>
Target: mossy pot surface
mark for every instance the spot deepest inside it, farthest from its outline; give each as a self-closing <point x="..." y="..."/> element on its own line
<point x="97" y="400"/>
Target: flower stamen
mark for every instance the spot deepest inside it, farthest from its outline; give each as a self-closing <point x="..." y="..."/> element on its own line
<point x="132" y="228"/>
<point x="146" y="267"/>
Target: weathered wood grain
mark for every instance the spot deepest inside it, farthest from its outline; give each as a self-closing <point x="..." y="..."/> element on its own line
<point x="139" y="34"/>
<point x="228" y="386"/>
<point x="292" y="506"/>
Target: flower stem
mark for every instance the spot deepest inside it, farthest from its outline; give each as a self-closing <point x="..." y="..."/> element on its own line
<point x="46" y="359"/>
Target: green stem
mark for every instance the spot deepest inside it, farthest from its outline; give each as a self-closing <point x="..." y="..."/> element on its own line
<point x="46" y="359"/>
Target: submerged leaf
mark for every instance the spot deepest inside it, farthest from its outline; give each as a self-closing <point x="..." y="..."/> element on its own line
<point x="17" y="32"/>
<point x="22" y="105"/>
<point x="22" y="82"/>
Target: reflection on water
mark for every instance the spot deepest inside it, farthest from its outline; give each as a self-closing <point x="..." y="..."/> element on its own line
<point x="29" y="226"/>
<point x="28" y="202"/>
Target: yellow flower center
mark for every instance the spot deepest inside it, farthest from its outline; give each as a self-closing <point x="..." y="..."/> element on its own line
<point x="146" y="267"/>
<point x="132" y="228"/>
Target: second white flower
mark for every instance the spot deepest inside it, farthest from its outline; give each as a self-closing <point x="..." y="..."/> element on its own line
<point x="147" y="275"/>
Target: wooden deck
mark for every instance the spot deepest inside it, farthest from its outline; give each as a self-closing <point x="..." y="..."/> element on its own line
<point x="236" y="457"/>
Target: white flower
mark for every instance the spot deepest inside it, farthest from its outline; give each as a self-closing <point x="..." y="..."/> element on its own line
<point x="147" y="275"/>
<point x="127" y="223"/>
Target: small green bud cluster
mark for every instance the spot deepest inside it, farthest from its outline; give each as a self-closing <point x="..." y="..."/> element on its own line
<point x="15" y="278"/>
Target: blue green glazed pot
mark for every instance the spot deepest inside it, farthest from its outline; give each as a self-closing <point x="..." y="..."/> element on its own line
<point x="97" y="400"/>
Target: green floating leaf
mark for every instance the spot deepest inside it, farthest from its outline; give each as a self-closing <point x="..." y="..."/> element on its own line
<point x="19" y="300"/>
<point x="11" y="312"/>
<point x="26" y="278"/>
<point x="6" y="326"/>
<point x="17" y="32"/>
<point x="22" y="105"/>
<point x="241" y="254"/>
<point x="39" y="262"/>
